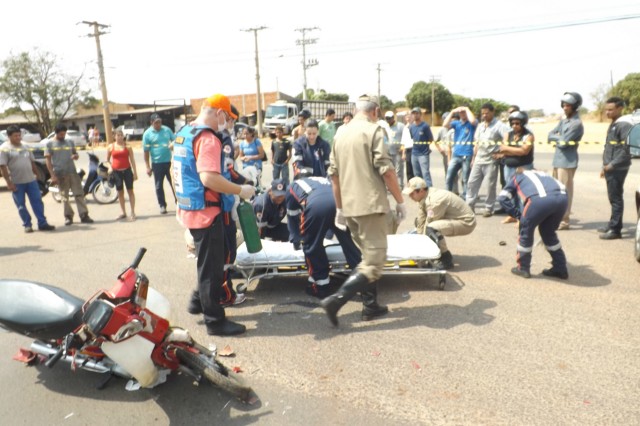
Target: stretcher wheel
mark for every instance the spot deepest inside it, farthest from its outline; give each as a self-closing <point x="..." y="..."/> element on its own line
<point x="442" y="281"/>
<point x="241" y="288"/>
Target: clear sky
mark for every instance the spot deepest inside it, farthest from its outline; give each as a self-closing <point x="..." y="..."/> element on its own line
<point x="522" y="52"/>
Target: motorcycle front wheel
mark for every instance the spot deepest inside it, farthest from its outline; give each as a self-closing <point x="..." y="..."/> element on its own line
<point x="214" y="372"/>
<point x="105" y="192"/>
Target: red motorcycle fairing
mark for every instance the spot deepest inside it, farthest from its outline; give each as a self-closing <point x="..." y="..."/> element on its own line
<point x="38" y="310"/>
<point x="125" y="285"/>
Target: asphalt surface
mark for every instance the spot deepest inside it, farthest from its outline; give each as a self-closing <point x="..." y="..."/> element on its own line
<point x="490" y="349"/>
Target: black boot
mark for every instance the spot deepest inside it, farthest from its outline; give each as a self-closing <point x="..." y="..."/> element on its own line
<point x="370" y="307"/>
<point x="195" y="306"/>
<point x="332" y="304"/>
<point x="446" y="259"/>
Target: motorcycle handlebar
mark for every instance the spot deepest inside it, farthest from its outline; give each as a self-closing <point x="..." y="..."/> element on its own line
<point x="138" y="258"/>
<point x="55" y="358"/>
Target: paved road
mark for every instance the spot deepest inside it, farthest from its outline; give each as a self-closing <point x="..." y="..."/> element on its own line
<point x="491" y="349"/>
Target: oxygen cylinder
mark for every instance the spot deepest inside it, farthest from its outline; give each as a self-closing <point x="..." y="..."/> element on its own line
<point x="249" y="227"/>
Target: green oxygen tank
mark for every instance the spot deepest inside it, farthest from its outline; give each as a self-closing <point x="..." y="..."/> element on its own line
<point x="249" y="226"/>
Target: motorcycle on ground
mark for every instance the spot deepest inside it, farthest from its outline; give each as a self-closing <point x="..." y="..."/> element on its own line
<point x="99" y="183"/>
<point x="121" y="332"/>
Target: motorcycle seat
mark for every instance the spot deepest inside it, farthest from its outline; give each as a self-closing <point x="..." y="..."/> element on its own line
<point x="38" y="310"/>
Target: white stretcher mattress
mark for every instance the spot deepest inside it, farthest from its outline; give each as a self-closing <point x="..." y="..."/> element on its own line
<point x="400" y="247"/>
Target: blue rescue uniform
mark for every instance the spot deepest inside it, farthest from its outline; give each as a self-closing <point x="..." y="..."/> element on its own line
<point x="312" y="211"/>
<point x="537" y="200"/>
<point x="269" y="217"/>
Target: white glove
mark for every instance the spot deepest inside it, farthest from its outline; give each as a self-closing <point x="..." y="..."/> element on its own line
<point x="246" y="192"/>
<point x="401" y="212"/>
<point x="340" y="221"/>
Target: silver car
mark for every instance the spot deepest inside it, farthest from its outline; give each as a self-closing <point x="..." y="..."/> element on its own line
<point x="78" y="138"/>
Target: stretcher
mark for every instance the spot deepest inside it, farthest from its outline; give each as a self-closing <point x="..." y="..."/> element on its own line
<point x="407" y="254"/>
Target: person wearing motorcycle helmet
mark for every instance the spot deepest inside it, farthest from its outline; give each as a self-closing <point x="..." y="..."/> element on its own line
<point x="566" y="137"/>
<point x="517" y="149"/>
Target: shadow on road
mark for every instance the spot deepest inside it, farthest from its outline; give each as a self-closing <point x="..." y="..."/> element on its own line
<point x="9" y="251"/>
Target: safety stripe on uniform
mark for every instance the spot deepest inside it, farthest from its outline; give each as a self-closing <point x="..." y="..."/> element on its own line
<point x="554" y="247"/>
<point x="305" y="186"/>
<point x="535" y="179"/>
<point x="507" y="194"/>
<point x="293" y="212"/>
<point x="524" y="249"/>
<point x="297" y="158"/>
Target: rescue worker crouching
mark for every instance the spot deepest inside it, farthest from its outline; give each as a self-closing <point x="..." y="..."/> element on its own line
<point x="270" y="209"/>
<point x="440" y="213"/>
<point x="311" y="211"/>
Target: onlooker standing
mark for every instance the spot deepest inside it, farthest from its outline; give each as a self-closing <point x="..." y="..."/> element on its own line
<point x="538" y="201"/>
<point x="347" y="117"/>
<point x="123" y="165"/>
<point x="157" y="143"/>
<point x="461" y="153"/>
<point x="251" y="150"/>
<point x="91" y="135"/>
<point x="361" y="172"/>
<point x="443" y="142"/>
<point x="396" y="151"/>
<point x="422" y="137"/>
<point x="311" y="151"/>
<point x="517" y="149"/>
<point x="202" y="194"/>
<point x="616" y="161"/>
<point x="407" y="143"/>
<point x="566" y="136"/>
<point x="18" y="168"/>
<point x="60" y="154"/>
<point x="280" y="155"/>
<point x="489" y="135"/>
<point x="299" y="130"/>
<point x="326" y="127"/>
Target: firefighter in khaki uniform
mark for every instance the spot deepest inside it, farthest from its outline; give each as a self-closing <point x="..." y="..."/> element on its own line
<point x="361" y="171"/>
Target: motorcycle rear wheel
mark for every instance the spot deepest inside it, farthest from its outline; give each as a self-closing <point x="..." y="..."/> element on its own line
<point x="216" y="373"/>
<point x="105" y="192"/>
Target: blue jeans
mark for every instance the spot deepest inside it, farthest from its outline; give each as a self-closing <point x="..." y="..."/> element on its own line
<point x="457" y="162"/>
<point x="420" y="165"/>
<point x="32" y="191"/>
<point x="281" y="170"/>
<point x="160" y="172"/>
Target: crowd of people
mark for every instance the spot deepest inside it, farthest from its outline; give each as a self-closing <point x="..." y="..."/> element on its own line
<point x="342" y="180"/>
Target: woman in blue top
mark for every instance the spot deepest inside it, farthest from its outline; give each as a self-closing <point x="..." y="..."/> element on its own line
<point x="251" y="150"/>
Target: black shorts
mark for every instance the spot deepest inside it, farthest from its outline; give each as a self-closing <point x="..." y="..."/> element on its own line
<point x="123" y="176"/>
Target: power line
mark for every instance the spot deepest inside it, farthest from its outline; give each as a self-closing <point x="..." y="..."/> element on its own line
<point x="306" y="64"/>
<point x="258" y="94"/>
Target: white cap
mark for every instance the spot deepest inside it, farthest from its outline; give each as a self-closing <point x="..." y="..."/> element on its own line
<point x="388" y="114"/>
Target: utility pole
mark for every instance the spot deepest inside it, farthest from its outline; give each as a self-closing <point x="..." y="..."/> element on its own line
<point x="106" y="115"/>
<point x="258" y="94"/>
<point x="434" y="79"/>
<point x="311" y="62"/>
<point x="378" y="80"/>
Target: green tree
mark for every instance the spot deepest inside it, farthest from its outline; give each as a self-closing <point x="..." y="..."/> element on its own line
<point x="629" y="90"/>
<point x="599" y="97"/>
<point x="385" y="104"/>
<point x="34" y="79"/>
<point x="420" y="96"/>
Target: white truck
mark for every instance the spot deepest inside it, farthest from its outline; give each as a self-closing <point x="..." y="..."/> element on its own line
<point x="285" y="113"/>
<point x="132" y="129"/>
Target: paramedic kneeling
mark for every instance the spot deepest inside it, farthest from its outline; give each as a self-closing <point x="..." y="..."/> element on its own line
<point x="542" y="203"/>
<point x="270" y="209"/>
<point x="441" y="213"/>
<point x="311" y="211"/>
<point x="201" y="191"/>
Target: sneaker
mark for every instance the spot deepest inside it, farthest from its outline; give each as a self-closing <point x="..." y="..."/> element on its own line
<point x="519" y="272"/>
<point x="555" y="274"/>
<point x="610" y="235"/>
<point x="487" y="213"/>
<point x="86" y="219"/>
<point x="194" y="308"/>
<point x="28" y="229"/>
<point x="46" y="227"/>
<point x="225" y="328"/>
<point x="68" y="221"/>
<point x="238" y="299"/>
<point x="603" y="229"/>
<point x="163" y="210"/>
